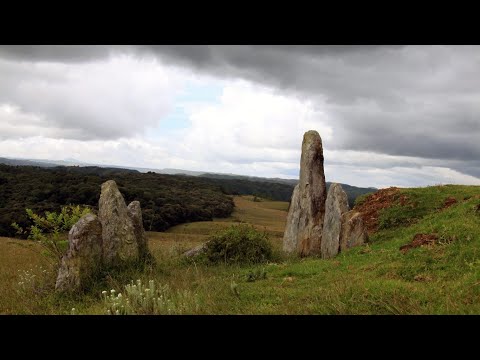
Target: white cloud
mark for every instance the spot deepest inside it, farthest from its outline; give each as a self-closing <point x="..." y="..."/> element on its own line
<point x="251" y="124"/>
<point x="114" y="98"/>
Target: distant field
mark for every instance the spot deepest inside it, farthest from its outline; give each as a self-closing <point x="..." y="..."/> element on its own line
<point x="379" y="278"/>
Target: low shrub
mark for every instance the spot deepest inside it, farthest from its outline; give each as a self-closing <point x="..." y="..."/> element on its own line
<point x="50" y="230"/>
<point x="238" y="244"/>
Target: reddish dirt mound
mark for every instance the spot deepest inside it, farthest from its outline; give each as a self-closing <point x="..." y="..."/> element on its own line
<point x="420" y="240"/>
<point x="374" y="203"/>
<point x="448" y="202"/>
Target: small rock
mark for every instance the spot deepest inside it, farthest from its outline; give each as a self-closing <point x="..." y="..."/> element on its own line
<point x="195" y="251"/>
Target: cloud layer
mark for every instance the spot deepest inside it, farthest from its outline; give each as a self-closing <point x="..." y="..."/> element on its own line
<point x="388" y="115"/>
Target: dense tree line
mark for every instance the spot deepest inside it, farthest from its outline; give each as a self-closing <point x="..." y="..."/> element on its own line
<point x="166" y="200"/>
<point x="265" y="189"/>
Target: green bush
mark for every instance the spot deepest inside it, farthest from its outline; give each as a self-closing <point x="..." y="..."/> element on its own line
<point x="238" y="244"/>
<point x="49" y="230"/>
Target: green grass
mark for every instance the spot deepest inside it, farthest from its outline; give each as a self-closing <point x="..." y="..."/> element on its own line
<point x="373" y="279"/>
<point x="420" y="202"/>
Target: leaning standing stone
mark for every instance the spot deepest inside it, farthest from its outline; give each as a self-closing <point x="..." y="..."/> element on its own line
<point x="84" y="255"/>
<point x="135" y="213"/>
<point x="336" y="206"/>
<point x="119" y="242"/>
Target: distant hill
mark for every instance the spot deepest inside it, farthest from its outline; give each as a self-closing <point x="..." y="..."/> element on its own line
<point x="251" y="178"/>
<point x="278" y="189"/>
<point x="270" y="188"/>
<point x="22" y="162"/>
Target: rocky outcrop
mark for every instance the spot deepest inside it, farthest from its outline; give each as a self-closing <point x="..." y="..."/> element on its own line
<point x="134" y="212"/>
<point x="84" y="255"/>
<point x="354" y="231"/>
<point x="335" y="206"/>
<point x="115" y="238"/>
<point x="303" y="232"/>
<point x="119" y="240"/>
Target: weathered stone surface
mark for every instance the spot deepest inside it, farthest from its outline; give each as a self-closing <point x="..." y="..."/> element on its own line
<point x="84" y="255"/>
<point x="119" y="241"/>
<point x="293" y="222"/>
<point x="354" y="231"/>
<point x="306" y="215"/>
<point x="134" y="212"/>
<point x="335" y="206"/>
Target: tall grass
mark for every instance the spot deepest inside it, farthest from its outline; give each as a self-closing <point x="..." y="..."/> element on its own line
<point x="443" y="278"/>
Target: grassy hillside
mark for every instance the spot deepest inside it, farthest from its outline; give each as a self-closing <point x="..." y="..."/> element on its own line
<point x="440" y="277"/>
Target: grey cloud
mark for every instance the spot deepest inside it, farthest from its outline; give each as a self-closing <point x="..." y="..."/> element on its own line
<point x="416" y="101"/>
<point x="55" y="53"/>
<point x="81" y="100"/>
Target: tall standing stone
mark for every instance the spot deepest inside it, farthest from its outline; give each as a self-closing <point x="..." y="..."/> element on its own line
<point x="135" y="213"/>
<point x="84" y="255"/>
<point x="304" y="226"/>
<point x="354" y="232"/>
<point x="293" y="222"/>
<point x="335" y="206"/>
<point x="119" y="240"/>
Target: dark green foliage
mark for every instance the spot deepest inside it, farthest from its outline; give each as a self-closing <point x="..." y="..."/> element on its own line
<point x="50" y="230"/>
<point x="166" y="200"/>
<point x="240" y="244"/>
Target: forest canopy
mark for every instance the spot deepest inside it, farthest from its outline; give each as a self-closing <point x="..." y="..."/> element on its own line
<point x="166" y="200"/>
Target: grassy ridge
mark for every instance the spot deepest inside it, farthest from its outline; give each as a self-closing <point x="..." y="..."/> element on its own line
<point x="443" y="278"/>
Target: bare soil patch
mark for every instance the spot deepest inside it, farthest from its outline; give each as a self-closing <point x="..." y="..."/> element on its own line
<point x="420" y="240"/>
<point x="377" y="201"/>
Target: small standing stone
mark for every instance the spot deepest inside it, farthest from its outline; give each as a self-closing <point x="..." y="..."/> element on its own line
<point x="336" y="206"/>
<point x="135" y="214"/>
<point x="84" y="255"/>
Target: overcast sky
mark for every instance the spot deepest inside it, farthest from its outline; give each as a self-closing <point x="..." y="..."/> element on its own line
<point x="387" y="115"/>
